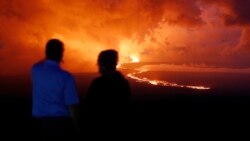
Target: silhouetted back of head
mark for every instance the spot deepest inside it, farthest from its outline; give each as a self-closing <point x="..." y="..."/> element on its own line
<point x="108" y="60"/>
<point x="54" y="50"/>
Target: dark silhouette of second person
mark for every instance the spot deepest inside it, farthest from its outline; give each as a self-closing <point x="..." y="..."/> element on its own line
<point x="111" y="87"/>
<point x="108" y="100"/>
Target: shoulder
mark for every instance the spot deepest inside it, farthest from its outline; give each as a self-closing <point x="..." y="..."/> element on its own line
<point x="67" y="75"/>
<point x="37" y="65"/>
<point x="97" y="80"/>
<point x="41" y="62"/>
<point x="121" y="76"/>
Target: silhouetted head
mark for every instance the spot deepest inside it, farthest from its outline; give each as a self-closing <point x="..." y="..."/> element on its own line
<point x="54" y="50"/>
<point x="107" y="61"/>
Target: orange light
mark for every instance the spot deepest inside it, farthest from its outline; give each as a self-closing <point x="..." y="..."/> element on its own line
<point x="134" y="59"/>
<point x="159" y="82"/>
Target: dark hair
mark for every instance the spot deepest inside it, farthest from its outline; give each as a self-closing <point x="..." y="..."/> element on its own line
<point x="54" y="50"/>
<point x="108" y="58"/>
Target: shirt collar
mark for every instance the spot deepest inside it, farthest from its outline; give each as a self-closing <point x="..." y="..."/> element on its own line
<point x="51" y="62"/>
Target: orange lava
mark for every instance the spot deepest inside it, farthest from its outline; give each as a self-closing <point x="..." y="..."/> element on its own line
<point x="157" y="82"/>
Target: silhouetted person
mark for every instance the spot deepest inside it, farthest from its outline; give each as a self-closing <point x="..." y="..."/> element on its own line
<point x="111" y="87"/>
<point x="54" y="95"/>
<point x="108" y="99"/>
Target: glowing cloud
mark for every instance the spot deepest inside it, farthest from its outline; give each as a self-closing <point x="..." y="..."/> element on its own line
<point x="211" y="32"/>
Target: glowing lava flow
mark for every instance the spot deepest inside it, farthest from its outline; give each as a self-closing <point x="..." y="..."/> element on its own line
<point x="161" y="83"/>
<point x="135" y="59"/>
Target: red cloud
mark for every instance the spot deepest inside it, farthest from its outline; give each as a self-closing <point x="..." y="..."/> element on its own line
<point x="177" y="29"/>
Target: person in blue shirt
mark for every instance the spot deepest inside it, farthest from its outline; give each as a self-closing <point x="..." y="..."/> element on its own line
<point x="54" y="95"/>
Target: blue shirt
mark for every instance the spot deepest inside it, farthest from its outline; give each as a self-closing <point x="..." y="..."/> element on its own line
<point x="53" y="90"/>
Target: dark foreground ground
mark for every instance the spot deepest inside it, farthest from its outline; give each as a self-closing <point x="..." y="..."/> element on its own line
<point x="154" y="112"/>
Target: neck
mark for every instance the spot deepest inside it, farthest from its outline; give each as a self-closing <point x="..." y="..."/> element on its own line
<point x="108" y="72"/>
<point x="53" y="61"/>
<point x="56" y="61"/>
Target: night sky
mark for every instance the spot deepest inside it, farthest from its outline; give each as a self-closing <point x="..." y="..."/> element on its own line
<point x="208" y="33"/>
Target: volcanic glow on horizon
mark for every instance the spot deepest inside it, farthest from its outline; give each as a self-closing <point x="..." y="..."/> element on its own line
<point x="156" y="82"/>
<point x="162" y="83"/>
<point x="197" y="32"/>
<point x="134" y="59"/>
